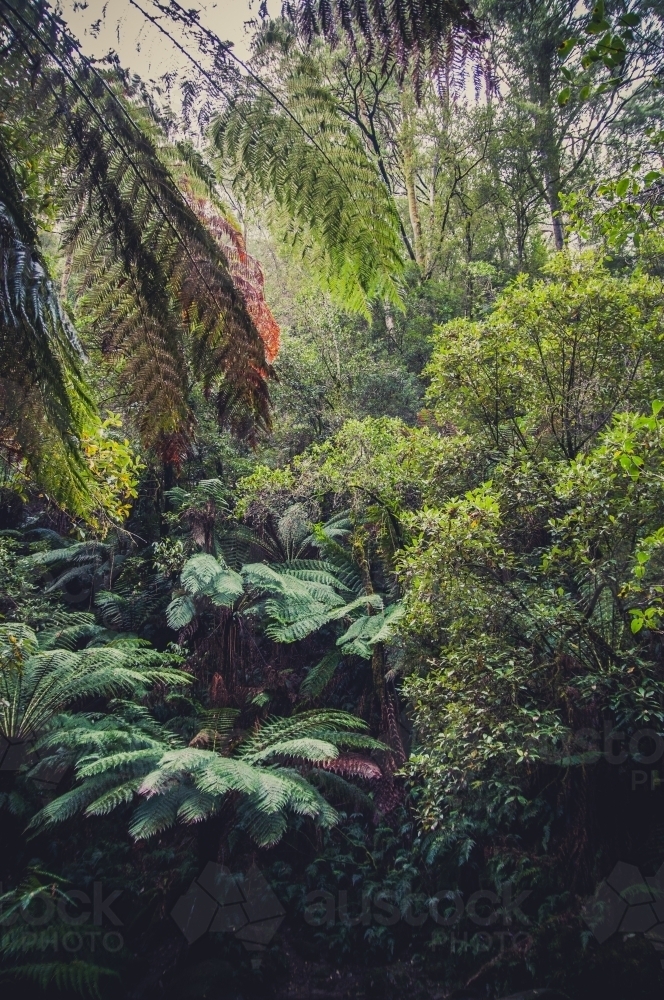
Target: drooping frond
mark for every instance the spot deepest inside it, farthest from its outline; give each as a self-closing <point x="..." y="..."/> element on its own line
<point x="42" y="398"/>
<point x="320" y="675"/>
<point x="291" y="623"/>
<point x="414" y="33"/>
<point x="368" y="630"/>
<point x="331" y="202"/>
<point x="353" y="765"/>
<point x="76" y="978"/>
<point x="152" y="271"/>
<point x="153" y="280"/>
<point x="76" y="630"/>
<point x="245" y="270"/>
<point x="38" y="343"/>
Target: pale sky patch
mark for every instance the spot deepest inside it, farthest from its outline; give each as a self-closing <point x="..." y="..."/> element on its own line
<point x="101" y="25"/>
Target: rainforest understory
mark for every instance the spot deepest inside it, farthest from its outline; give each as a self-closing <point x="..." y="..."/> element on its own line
<point x="331" y="504"/>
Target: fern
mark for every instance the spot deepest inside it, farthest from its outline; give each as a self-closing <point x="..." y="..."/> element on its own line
<point x="43" y="403"/>
<point x="337" y="788"/>
<point x="180" y="612"/>
<point x="310" y="164"/>
<point x="75" y="977"/>
<point x="152" y="278"/>
<point x="216" y="730"/>
<point x="205" y="576"/>
<point x="81" y="562"/>
<point x="128" y="612"/>
<point x="365" y="632"/>
<point x="414" y="34"/>
<point x="293" y="600"/>
<point x="36" y="685"/>
<point x="320" y="675"/>
<point x="120" y="760"/>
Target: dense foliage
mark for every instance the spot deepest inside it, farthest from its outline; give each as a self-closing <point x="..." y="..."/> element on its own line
<point x="344" y="567"/>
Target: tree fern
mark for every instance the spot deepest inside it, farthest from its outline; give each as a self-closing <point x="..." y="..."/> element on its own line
<point x="36" y="684"/>
<point x="151" y="277"/>
<point x="153" y="266"/>
<point x="174" y="783"/>
<point x="80" y="562"/>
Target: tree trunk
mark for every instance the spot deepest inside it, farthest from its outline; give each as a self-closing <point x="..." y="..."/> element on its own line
<point x="413" y="208"/>
<point x="407" y="144"/>
<point x="552" y="189"/>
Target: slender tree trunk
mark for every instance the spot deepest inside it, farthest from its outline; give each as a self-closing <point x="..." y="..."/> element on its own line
<point x="407" y="143"/>
<point x="413" y="208"/>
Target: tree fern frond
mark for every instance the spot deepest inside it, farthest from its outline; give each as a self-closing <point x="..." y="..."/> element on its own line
<point x="41" y="387"/>
<point x="203" y="575"/>
<point x="340" y="215"/>
<point x="312" y="574"/>
<point x="320" y="675"/>
<point x="295" y="726"/>
<point x="180" y="612"/>
<point x="151" y="276"/>
<point x="127" y="761"/>
<point x="156" y="814"/>
<point x="305" y="748"/>
<point x="75" y="977"/>
<point x="417" y="35"/>
<point x="265" y="827"/>
<point x="196" y="807"/>
<point x="340" y="790"/>
<point x="110" y="800"/>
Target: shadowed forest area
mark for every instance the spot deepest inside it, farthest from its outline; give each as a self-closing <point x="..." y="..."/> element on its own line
<point x="331" y="504"/>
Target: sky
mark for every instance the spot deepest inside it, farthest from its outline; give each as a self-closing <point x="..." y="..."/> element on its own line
<point x="141" y="47"/>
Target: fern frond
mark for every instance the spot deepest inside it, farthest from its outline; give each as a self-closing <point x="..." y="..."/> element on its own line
<point x="339" y="213"/>
<point x="295" y="726"/>
<point x="75" y="977"/>
<point x="42" y="395"/>
<point x="417" y="35"/>
<point x="151" y="276"/>
<point x="180" y="612"/>
<point x="353" y="766"/>
<point x="320" y="675"/>
<point x="305" y="748"/>
<point x="203" y="575"/>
